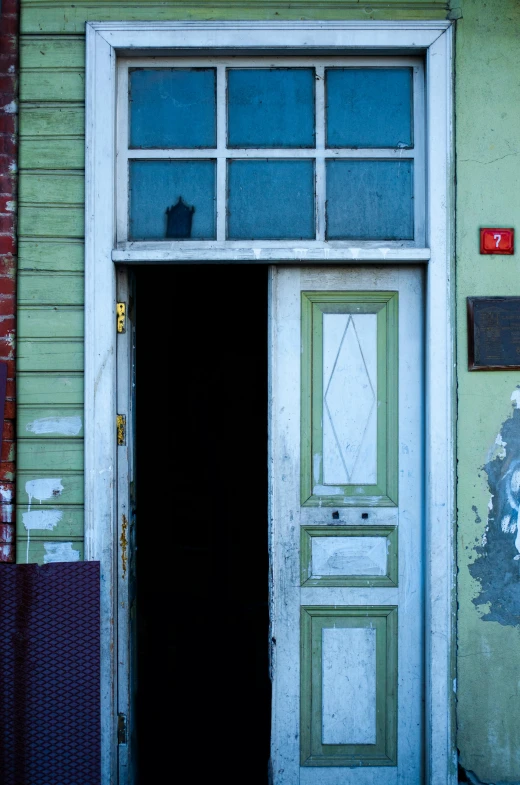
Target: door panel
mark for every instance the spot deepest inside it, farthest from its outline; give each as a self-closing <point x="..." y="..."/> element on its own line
<point x="346" y="514"/>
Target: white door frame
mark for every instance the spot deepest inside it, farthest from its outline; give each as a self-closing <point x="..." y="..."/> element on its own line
<point x="105" y="40"/>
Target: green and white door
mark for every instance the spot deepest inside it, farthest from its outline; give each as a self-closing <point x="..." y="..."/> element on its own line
<point x="346" y="518"/>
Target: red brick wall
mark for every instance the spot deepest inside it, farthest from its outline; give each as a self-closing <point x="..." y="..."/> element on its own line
<point x="9" y="18"/>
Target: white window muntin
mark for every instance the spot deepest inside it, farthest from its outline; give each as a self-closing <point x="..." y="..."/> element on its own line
<point x="164" y="249"/>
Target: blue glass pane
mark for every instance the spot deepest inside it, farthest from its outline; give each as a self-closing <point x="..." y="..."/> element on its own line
<point x="370" y="200"/>
<point x="158" y="186"/>
<point x="172" y="107"/>
<point x="369" y="107"/>
<point x="270" y="200"/>
<point x="271" y="107"/>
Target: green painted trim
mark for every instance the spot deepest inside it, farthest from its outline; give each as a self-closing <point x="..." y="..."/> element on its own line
<point x="313" y="620"/>
<point x="309" y="579"/>
<point x="313" y="306"/>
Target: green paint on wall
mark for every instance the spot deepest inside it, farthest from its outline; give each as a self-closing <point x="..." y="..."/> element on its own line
<point x="48" y="388"/>
<point x="72" y="485"/>
<point x="50" y="454"/>
<point x="41" y="17"/>
<point x="488" y="172"/>
<point x="50" y="322"/>
<point x="50" y="255"/>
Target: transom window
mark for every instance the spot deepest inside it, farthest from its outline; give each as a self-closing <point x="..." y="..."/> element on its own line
<point x="229" y="151"/>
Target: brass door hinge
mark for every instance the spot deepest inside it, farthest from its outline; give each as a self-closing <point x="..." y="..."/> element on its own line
<point x="121" y="317"/>
<point x="121" y="430"/>
<point x="121" y="729"/>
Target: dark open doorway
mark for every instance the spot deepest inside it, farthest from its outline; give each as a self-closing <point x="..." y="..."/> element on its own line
<point x="203" y="691"/>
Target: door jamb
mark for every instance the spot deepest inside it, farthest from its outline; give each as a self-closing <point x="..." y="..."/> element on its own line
<point x="104" y="41"/>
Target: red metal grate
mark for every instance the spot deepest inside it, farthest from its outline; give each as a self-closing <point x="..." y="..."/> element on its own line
<point x="49" y="674"/>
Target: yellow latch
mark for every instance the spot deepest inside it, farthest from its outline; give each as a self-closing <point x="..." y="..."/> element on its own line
<point x="121" y="317"/>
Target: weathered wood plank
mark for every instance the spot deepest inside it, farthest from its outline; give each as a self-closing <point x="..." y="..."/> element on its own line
<point x="51" y="221"/>
<point x="49" y="255"/>
<point x="65" y="521"/>
<point x="50" y="322"/>
<point x="64" y="153"/>
<point x="49" y="422"/>
<point x="40" y="84"/>
<point x="48" y="488"/>
<point x="39" y="51"/>
<point x="52" y="120"/>
<point x="47" y="355"/>
<point x="49" y="388"/>
<point x="53" y="188"/>
<point x="45" y="550"/>
<point x="70" y="18"/>
<point x="50" y="288"/>
<point x="50" y="455"/>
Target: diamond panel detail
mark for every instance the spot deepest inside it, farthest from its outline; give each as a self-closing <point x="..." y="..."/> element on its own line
<point x="350" y="397"/>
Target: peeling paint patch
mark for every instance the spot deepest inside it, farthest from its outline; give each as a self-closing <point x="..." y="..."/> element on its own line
<point x="497" y="566"/>
<point x="65" y="426"/>
<point x="59" y="551"/>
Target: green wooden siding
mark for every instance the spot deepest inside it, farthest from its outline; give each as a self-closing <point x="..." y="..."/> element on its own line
<point x="51" y="220"/>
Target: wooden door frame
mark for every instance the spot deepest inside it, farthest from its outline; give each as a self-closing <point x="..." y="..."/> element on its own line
<point x="107" y="40"/>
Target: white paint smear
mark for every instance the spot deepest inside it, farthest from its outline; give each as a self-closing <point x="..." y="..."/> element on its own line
<point x="515" y="398"/>
<point x="41" y="519"/>
<point x="43" y="489"/>
<point x="59" y="551"/>
<point x="65" y="426"/>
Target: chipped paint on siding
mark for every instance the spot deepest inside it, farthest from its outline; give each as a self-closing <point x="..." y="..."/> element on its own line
<point x="41" y="519"/>
<point x="497" y="566"/>
<point x="43" y="489"/>
<point x="59" y="552"/>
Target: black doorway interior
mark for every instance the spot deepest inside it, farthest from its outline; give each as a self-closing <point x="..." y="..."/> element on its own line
<point x="203" y="690"/>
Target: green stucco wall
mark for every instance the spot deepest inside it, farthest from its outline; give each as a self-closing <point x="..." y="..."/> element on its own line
<point x="50" y="328"/>
<point x="488" y="194"/>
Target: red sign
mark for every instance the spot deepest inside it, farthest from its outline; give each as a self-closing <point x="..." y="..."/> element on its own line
<point x="497" y="241"/>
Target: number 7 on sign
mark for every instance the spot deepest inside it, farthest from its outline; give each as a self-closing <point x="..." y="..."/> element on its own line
<point x="497" y="241"/>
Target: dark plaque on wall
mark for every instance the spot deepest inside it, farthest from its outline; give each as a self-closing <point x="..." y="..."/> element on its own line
<point x="493" y="333"/>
